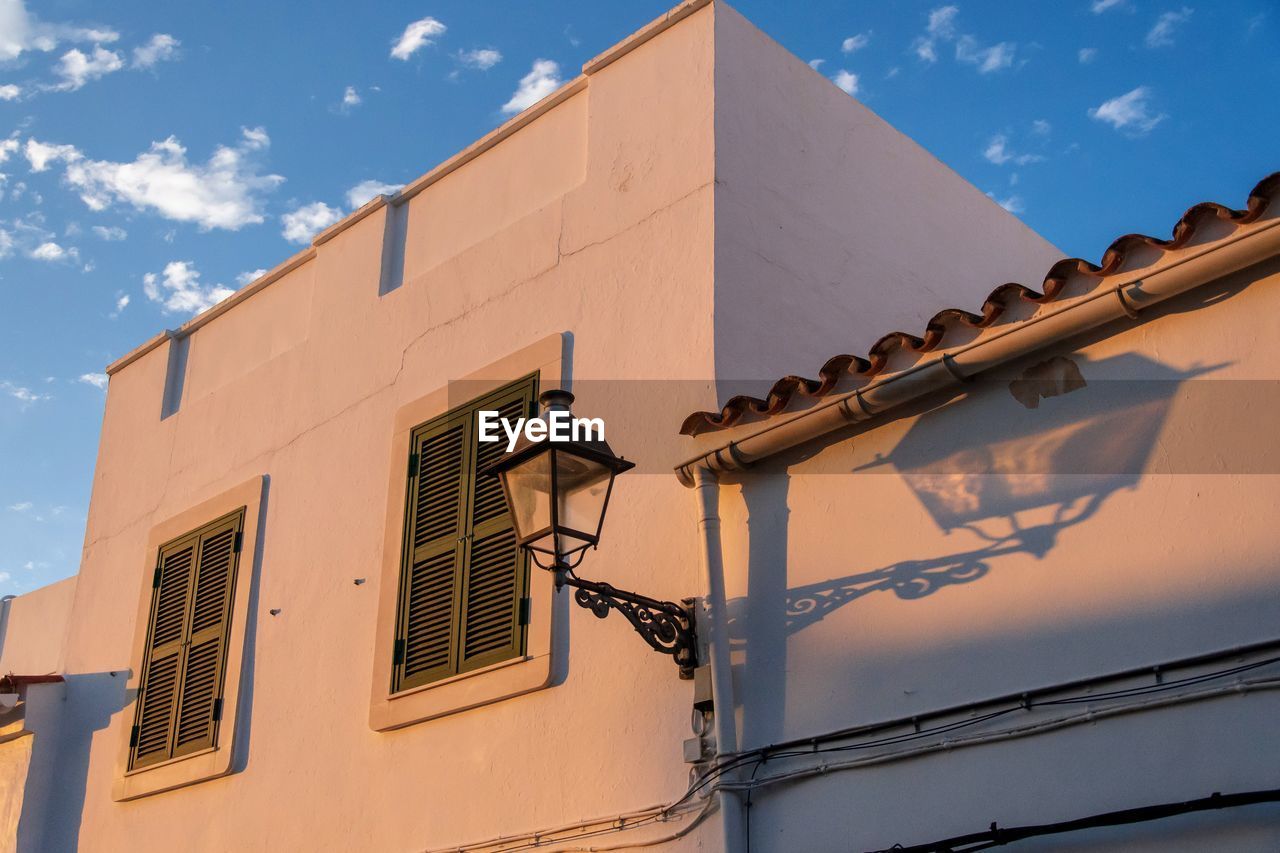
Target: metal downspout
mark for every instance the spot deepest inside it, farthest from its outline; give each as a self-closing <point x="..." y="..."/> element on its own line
<point x="707" y="488"/>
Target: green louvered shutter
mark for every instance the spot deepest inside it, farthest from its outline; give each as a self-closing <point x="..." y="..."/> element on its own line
<point x="180" y="698"/>
<point x="462" y="579"/>
<point x="200" y="705"/>
<point x="434" y="550"/>
<point x="495" y="567"/>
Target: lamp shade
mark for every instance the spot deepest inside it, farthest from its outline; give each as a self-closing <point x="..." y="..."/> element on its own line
<point x="557" y="489"/>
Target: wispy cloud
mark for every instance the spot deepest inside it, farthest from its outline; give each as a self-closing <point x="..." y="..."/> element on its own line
<point x="1161" y="33"/>
<point x="110" y="233"/>
<point x="853" y="44"/>
<point x="481" y="58"/>
<point x="122" y="302"/>
<point x="178" y="289"/>
<point x="52" y="252"/>
<point x="1130" y="113"/>
<point x="941" y="28"/>
<point x="249" y="276"/>
<point x="25" y="397"/>
<point x="542" y="80"/>
<point x="1087" y="55"/>
<point x="846" y="80"/>
<point x="1013" y="203"/>
<point x="161" y="48"/>
<point x="305" y="222"/>
<point x="987" y="59"/>
<point x="1100" y="6"/>
<point x="225" y="192"/>
<point x="999" y="153"/>
<point x="366" y="191"/>
<point x="416" y="36"/>
<point x="21" y="31"/>
<point x="76" y="67"/>
<point x="10" y="92"/>
<point x="97" y="380"/>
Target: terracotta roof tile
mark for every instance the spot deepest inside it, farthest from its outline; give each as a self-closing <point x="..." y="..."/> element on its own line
<point x="789" y="388"/>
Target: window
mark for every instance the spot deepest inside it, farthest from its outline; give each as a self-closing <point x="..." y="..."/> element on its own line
<point x="462" y="599"/>
<point x="180" y="699"/>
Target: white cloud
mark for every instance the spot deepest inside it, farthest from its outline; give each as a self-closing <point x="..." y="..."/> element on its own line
<point x="110" y="233"/>
<point x="815" y="64"/>
<point x="23" y="506"/>
<point x="1041" y="127"/>
<point x="21" y="31"/>
<point x="1100" y="6"/>
<point x="221" y="193"/>
<point x="6" y="243"/>
<point x="846" y="80"/>
<point x="417" y="35"/>
<point x="853" y="44"/>
<point x="1013" y="203"/>
<point x="40" y="154"/>
<point x="160" y="48"/>
<point x="25" y="397"/>
<point x="1161" y="33"/>
<point x="998" y="152"/>
<point x="97" y="380"/>
<point x="1130" y="112"/>
<point x="941" y="27"/>
<point x="249" y="276"/>
<point x="988" y="59"/>
<point x="8" y="147"/>
<point x="255" y="138"/>
<point x="365" y="191"/>
<point x="10" y="92"/>
<point x="52" y="252"/>
<point x="178" y="289"/>
<point x="482" y="58"/>
<point x="543" y="79"/>
<point x="77" y="67"/>
<point x="122" y="302"/>
<point x="304" y="223"/>
<point x="1087" y="55"/>
<point x="350" y="97"/>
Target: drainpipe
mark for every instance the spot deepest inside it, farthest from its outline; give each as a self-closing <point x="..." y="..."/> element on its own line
<point x="716" y="631"/>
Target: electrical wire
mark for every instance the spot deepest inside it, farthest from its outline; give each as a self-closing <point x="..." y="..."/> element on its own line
<point x="998" y="837"/>
<point x="708" y="779"/>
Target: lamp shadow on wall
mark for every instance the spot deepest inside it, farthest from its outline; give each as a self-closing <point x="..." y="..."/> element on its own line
<point x="1011" y="464"/>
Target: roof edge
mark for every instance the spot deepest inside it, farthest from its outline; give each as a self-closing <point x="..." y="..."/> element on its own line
<point x="1127" y="293"/>
<point x="411" y="189"/>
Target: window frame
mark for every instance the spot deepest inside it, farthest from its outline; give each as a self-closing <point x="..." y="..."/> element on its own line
<point x="544" y="662"/>
<point x="216" y="760"/>
<point x="470" y="530"/>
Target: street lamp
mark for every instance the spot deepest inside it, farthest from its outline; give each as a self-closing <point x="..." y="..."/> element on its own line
<point x="557" y="489"/>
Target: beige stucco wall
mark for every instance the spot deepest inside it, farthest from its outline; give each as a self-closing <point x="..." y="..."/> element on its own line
<point x="833" y="228"/>
<point x="601" y="214"/>
<point x="703" y="208"/>
<point x="32" y="628"/>
<point x="976" y="548"/>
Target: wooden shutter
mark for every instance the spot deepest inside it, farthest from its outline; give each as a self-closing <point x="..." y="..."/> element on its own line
<point x="462" y="578"/>
<point x="425" y="642"/>
<point x="180" y="698"/>
<point x="494" y="583"/>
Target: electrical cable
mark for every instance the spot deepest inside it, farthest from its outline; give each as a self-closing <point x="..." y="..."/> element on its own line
<point x="998" y="836"/>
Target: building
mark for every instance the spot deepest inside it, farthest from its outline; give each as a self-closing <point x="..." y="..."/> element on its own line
<point x="1017" y="569"/>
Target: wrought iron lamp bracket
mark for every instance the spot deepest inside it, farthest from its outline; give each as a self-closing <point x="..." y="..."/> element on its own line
<point x="666" y="626"/>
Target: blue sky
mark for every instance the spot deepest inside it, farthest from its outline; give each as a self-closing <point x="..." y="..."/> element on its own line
<point x="155" y="155"/>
